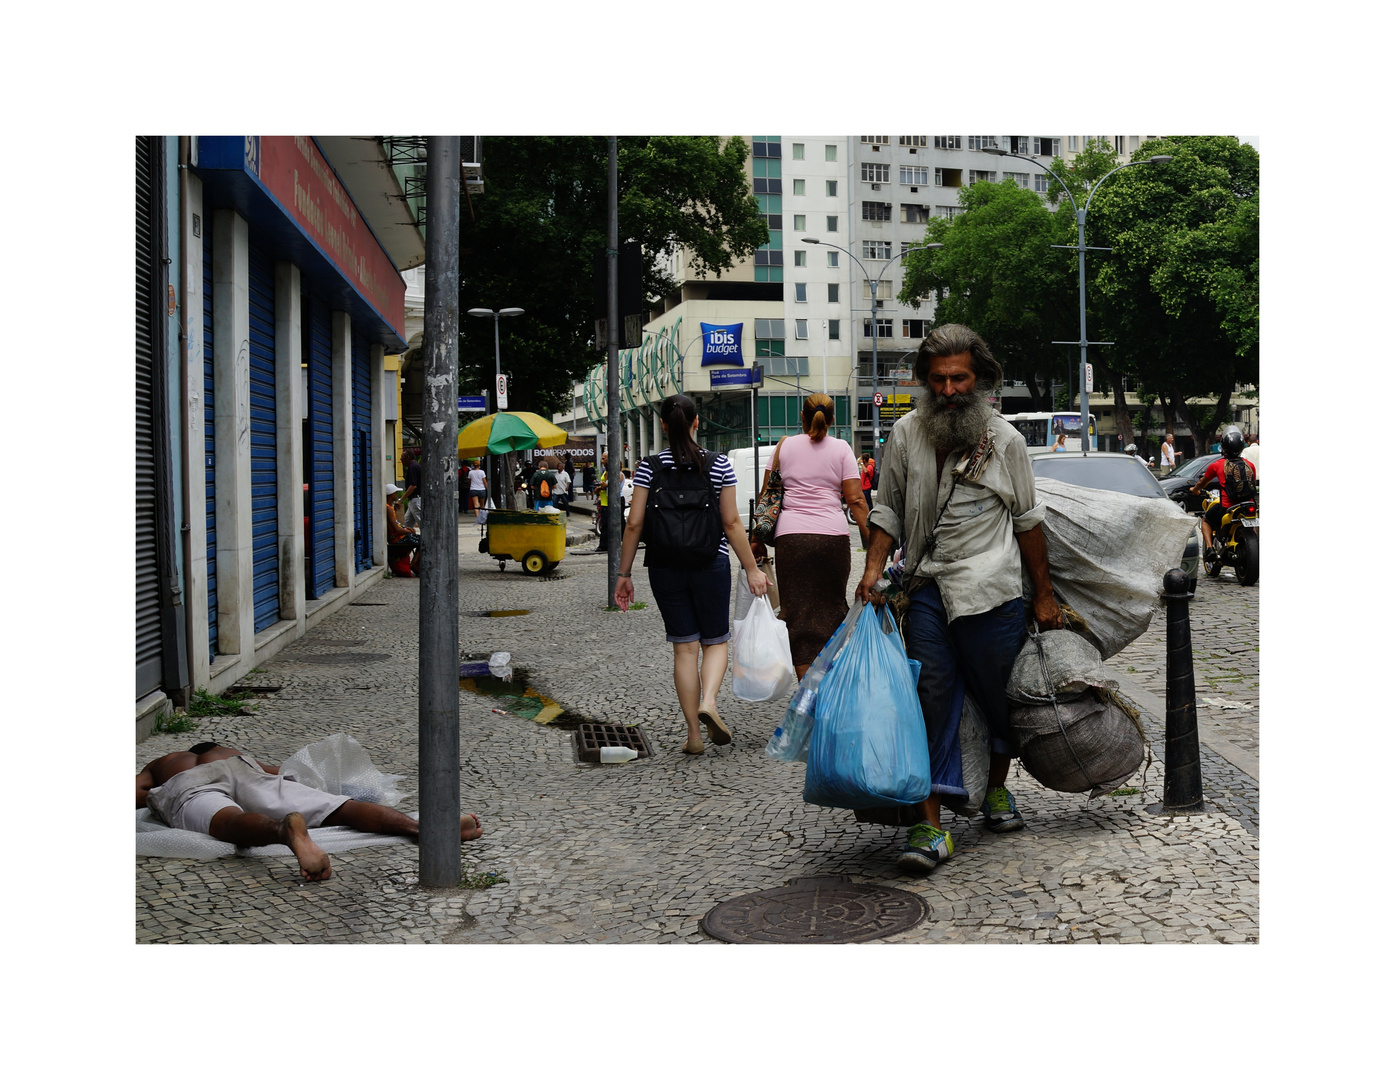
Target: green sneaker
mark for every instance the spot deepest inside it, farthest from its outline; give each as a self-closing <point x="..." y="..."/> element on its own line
<point x="926" y="847"/>
<point x="1000" y="811"/>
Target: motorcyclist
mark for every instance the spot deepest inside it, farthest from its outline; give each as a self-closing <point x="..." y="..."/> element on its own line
<point x="1238" y="480"/>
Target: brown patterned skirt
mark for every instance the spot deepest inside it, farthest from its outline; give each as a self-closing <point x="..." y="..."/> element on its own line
<point x="812" y="569"/>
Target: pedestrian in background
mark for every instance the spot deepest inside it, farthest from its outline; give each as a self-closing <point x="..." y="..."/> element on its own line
<point x="820" y="473"/>
<point x="478" y="483"/>
<point x="695" y="602"/>
<point x="866" y="472"/>
<point x="542" y="484"/>
<point x="561" y="491"/>
<point x="1168" y="453"/>
<point x="602" y="484"/>
<point x="411" y="496"/>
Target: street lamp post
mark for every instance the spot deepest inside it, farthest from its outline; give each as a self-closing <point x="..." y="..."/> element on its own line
<point x="1080" y="249"/>
<point x="876" y="370"/>
<point x="486" y="313"/>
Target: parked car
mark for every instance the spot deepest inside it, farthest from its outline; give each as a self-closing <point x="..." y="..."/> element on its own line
<point x="1176" y="483"/>
<point x="1115" y="472"/>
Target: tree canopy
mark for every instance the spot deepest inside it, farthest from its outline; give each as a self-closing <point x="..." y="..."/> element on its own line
<point x="1179" y="294"/>
<point x="528" y="240"/>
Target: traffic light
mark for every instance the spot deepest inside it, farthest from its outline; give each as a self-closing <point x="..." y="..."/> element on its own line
<point x="881" y="440"/>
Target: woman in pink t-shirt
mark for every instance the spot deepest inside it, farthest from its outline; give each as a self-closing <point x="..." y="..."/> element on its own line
<point x="811" y="534"/>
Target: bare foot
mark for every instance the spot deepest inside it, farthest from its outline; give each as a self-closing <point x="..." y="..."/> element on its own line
<point x="314" y="863"/>
<point x="470" y="828"/>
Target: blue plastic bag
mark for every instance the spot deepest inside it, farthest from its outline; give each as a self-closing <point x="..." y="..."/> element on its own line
<point x="790" y="742"/>
<point x="868" y="746"/>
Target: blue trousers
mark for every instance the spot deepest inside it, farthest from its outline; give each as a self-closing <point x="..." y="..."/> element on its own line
<point x="974" y="652"/>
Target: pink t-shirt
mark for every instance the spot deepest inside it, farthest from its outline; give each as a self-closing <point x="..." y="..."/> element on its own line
<point x="814" y="473"/>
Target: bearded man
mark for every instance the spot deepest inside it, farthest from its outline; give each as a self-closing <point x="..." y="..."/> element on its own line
<point x="957" y="491"/>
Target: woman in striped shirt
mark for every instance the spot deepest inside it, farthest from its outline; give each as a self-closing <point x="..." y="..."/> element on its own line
<point x="694" y="602"/>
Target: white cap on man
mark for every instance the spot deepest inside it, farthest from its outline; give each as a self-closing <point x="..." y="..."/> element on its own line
<point x="393" y="489"/>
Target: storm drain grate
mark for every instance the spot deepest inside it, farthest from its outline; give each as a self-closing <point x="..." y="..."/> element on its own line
<point x="814" y="911"/>
<point x="588" y="739"/>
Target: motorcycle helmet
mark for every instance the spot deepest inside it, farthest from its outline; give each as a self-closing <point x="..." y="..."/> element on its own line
<point x="1132" y="448"/>
<point x="1232" y="442"/>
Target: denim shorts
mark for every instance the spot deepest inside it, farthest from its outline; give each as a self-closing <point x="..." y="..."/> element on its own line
<point x="695" y="604"/>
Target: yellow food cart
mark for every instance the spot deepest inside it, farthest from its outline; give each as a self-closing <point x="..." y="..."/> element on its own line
<point x="534" y="538"/>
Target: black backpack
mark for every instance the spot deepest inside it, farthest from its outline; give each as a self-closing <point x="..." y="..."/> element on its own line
<point x="1239" y="481"/>
<point x="682" y="518"/>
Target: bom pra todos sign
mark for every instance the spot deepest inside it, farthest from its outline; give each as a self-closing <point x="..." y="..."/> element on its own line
<point x="721" y="344"/>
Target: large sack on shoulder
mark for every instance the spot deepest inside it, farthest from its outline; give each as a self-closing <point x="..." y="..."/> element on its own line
<point x="1108" y="553"/>
<point x="1064" y="667"/>
<point x="1088" y="744"/>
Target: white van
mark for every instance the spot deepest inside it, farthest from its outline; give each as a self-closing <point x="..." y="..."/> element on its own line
<point x="747" y="484"/>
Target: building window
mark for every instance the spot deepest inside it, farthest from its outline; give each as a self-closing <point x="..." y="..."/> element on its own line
<point x="1118" y="144"/>
<point x="833" y="292"/>
<point x="876" y="211"/>
<point x="830" y="188"/>
<point x="914" y="215"/>
<point x="770" y="273"/>
<point x="765" y="174"/>
<point x="830" y="151"/>
<point x="1042" y="182"/>
<point x="765" y="146"/>
<point x="801" y="291"/>
<point x="1019" y="144"/>
<point x="801" y="330"/>
<point x="877" y="140"/>
<point x="915" y="174"/>
<point x="797" y="151"/>
<point x="799" y="257"/>
<point x="1021" y="179"/>
<point x="1073" y="143"/>
<point x="912" y="140"/>
<point x="986" y="176"/>
<point x="785" y="365"/>
<point x="831" y="222"/>
<point x="832" y="258"/>
<point x="799" y="187"/>
<point x="1046" y="145"/>
<point x="915" y="328"/>
<point x="834" y="330"/>
<point x="1133" y="144"/>
<point x="876" y="174"/>
<point x="798" y="222"/>
<point x="949" y="142"/>
<point x="883" y="290"/>
<point x="770" y="337"/>
<point x="948" y="211"/>
<point x="883" y="328"/>
<point x="949" y="177"/>
<point x="978" y="142"/>
<point x="876" y="249"/>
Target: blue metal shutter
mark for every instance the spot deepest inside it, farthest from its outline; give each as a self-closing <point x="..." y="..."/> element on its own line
<point x="321" y="447"/>
<point x="261" y="312"/>
<point x="363" y="467"/>
<point x="209" y="499"/>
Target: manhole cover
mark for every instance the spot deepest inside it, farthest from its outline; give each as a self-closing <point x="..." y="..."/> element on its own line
<point x="814" y="911"/>
<point x="347" y="658"/>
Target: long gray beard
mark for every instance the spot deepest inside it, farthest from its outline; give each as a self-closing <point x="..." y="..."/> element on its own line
<point x="954" y="429"/>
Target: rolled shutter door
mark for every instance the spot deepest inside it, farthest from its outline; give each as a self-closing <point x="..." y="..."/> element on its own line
<point x="209" y="490"/>
<point x="321" y="436"/>
<point x="149" y="668"/>
<point x="266" y="601"/>
<point x="363" y="471"/>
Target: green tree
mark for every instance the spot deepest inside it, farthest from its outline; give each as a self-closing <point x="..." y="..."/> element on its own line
<point x="529" y="239"/>
<point x="1180" y="292"/>
<point x="998" y="273"/>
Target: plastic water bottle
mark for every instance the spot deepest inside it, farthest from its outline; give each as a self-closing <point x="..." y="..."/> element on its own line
<point x="611" y="755"/>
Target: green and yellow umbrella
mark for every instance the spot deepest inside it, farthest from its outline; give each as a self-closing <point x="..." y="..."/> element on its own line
<point x="500" y="432"/>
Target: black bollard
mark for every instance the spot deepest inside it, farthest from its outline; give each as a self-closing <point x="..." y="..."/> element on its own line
<point x="1182" y="752"/>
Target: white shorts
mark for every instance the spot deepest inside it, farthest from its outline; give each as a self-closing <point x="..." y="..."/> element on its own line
<point x="189" y="800"/>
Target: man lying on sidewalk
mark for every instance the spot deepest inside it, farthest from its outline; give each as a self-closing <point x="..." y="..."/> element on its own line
<point x="235" y="798"/>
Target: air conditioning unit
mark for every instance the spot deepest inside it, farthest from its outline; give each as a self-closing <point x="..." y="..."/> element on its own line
<point x="876" y="187"/>
<point x="915" y="189"/>
<point x="912" y="149"/>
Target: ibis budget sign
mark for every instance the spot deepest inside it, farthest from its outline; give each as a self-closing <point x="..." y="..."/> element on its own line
<point x="721" y="344"/>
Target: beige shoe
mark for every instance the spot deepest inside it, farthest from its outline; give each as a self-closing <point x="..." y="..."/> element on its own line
<point x="716" y="730"/>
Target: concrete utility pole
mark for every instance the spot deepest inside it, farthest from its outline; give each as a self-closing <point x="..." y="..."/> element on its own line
<point x="614" y="480"/>
<point x="438" y="645"/>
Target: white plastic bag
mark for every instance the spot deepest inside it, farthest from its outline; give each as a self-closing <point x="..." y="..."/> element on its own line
<point x="340" y="766"/>
<point x="761" y="665"/>
<point x="743" y="596"/>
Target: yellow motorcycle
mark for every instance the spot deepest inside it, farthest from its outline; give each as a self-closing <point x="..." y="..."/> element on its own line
<point x="1236" y="542"/>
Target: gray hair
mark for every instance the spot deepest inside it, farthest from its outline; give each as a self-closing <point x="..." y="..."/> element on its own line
<point x="951" y="340"/>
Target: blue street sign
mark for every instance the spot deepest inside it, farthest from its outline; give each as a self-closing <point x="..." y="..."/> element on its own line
<point x="732" y="377"/>
<point x="472" y="404"/>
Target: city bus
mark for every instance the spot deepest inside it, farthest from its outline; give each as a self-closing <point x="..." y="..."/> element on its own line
<point x="1041" y="428"/>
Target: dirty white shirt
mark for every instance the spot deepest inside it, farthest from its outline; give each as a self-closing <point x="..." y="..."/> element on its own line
<point x="976" y="560"/>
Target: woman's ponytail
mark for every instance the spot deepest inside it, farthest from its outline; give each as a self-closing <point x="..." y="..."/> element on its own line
<point x="818" y="410"/>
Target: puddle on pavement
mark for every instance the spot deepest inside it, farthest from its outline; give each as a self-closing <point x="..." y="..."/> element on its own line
<point x="517" y="698"/>
<point x="498" y="614"/>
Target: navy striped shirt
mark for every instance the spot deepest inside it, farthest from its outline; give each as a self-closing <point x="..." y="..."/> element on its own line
<point x="720" y="474"/>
